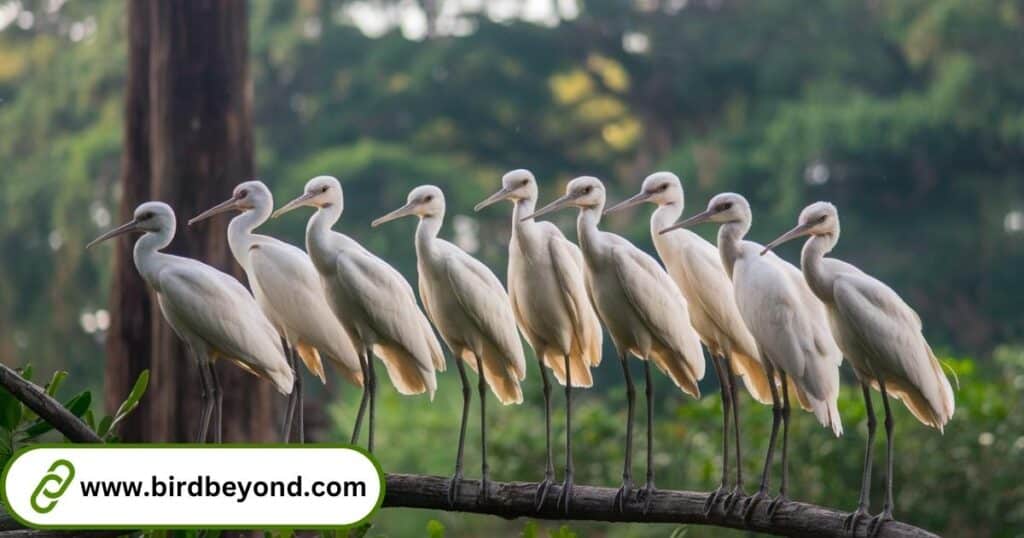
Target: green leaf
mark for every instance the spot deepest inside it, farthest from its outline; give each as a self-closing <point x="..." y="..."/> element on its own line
<point x="10" y="410"/>
<point x="90" y="419"/>
<point x="26" y="372"/>
<point x="138" y="390"/>
<point x="105" y="425"/>
<point x="530" y="529"/>
<point x="435" y="529"/>
<point x="55" y="382"/>
<point x="79" y="404"/>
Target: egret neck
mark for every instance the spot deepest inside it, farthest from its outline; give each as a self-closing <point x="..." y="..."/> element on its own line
<point x="240" y="229"/>
<point x="318" y="231"/>
<point x="586" y="227"/>
<point x="730" y="235"/>
<point x="812" y="263"/>
<point x="521" y="208"/>
<point x="664" y="216"/>
<point x="426" y="232"/>
<point x="147" y="253"/>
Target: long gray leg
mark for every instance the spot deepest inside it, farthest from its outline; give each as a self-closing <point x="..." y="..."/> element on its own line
<point x="878" y="521"/>
<point x="205" y="398"/>
<point x="300" y="425"/>
<point x="549" y="469"/>
<point x="850" y="523"/>
<point x="373" y="397"/>
<point x="565" y="496"/>
<point x="286" y="427"/>
<point x="762" y="492"/>
<point x="484" y="468"/>
<point x="649" y="488"/>
<point x="362" y="401"/>
<point x="218" y="402"/>
<point x="723" y="382"/>
<point x="453" y="484"/>
<point x="783" y="487"/>
<point x="622" y="496"/>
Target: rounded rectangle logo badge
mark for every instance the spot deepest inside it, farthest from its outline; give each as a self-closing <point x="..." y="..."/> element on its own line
<point x="192" y="486"/>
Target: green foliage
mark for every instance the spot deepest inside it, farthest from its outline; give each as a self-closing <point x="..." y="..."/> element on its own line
<point x="19" y="426"/>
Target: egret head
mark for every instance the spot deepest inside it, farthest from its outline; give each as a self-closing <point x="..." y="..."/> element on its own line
<point x="246" y="196"/>
<point x="659" y="188"/>
<point x="585" y="192"/>
<point x="425" y="201"/>
<point x="150" y="217"/>
<point x="819" y="218"/>
<point x="320" y="192"/>
<point x="516" y="185"/>
<point x="723" y="208"/>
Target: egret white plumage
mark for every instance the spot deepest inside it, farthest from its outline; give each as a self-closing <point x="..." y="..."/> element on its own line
<point x="288" y="290"/>
<point x="788" y="324"/>
<point x="880" y="335"/>
<point x="696" y="267"/>
<point x="211" y="311"/>
<point x="643" y="310"/>
<point x="470" y="308"/>
<point x="549" y="299"/>
<point x="372" y="300"/>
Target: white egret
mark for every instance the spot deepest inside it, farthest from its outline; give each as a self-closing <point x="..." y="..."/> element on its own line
<point x="287" y="288"/>
<point x="372" y="300"/>
<point x="643" y="310"/>
<point x="695" y="266"/>
<point x="788" y="324"/>
<point x="880" y="335"/>
<point x="211" y="311"/>
<point x="549" y="298"/>
<point x="470" y="308"/>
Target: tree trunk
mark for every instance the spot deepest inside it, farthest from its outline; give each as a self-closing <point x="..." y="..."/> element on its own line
<point x="188" y="140"/>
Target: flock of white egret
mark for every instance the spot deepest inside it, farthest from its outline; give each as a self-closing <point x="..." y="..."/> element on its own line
<point x="760" y="317"/>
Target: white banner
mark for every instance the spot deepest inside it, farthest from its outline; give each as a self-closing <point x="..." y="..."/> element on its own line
<point x="200" y="486"/>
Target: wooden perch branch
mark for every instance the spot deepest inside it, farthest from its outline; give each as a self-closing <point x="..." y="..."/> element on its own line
<point x="516" y="499"/>
<point x="46" y="407"/>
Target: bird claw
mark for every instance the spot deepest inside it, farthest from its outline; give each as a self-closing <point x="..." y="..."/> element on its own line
<point x="775" y="504"/>
<point x="850" y="521"/>
<point x="752" y="502"/>
<point x="542" y="492"/>
<point x="565" y="495"/>
<point x="713" y="497"/>
<point x="733" y="498"/>
<point x="876" y="523"/>
<point x="621" y="496"/>
<point x="647" y="495"/>
<point x="453" y="489"/>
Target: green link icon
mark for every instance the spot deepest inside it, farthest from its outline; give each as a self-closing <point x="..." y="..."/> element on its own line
<point x="62" y="483"/>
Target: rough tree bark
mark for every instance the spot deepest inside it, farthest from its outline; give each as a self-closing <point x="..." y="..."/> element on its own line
<point x="188" y="140"/>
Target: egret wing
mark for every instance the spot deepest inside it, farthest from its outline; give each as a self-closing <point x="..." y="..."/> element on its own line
<point x="289" y="282"/>
<point x="485" y="302"/>
<point x="660" y="304"/>
<point x="567" y="261"/>
<point x="220" y="311"/>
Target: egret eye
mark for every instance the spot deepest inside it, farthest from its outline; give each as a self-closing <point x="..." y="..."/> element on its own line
<point x="664" y="188"/>
<point x="524" y="181"/>
<point x="428" y="198"/>
<point x="243" y="193"/>
<point x="146" y="216"/>
<point x="324" y="188"/>
<point x="725" y="207"/>
<point x="587" y="190"/>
